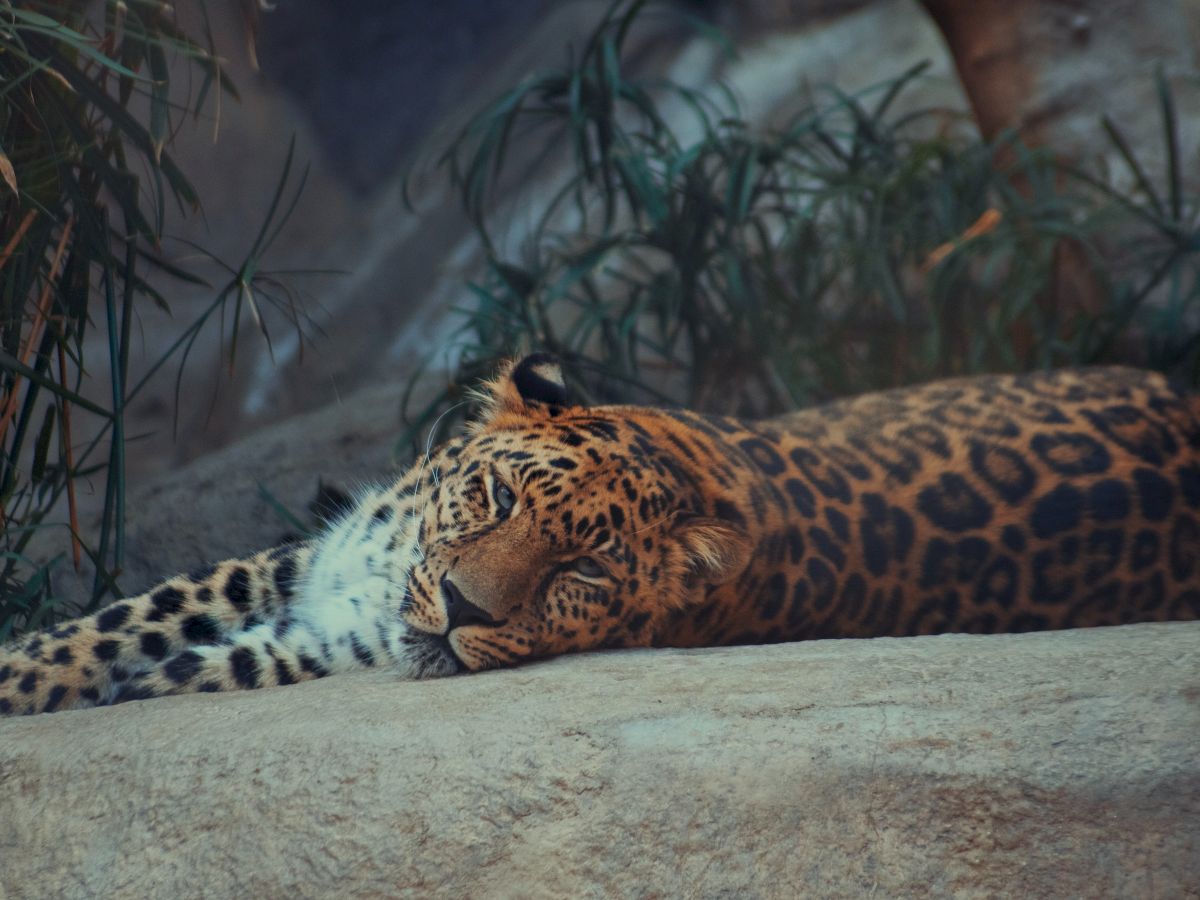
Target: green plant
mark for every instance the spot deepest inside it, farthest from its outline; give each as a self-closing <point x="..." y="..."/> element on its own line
<point x="88" y="111"/>
<point x="850" y="248"/>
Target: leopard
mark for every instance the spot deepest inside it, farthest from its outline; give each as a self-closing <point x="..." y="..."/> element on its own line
<point x="980" y="504"/>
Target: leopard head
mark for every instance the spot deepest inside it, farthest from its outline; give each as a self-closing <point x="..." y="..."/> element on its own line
<point x="552" y="528"/>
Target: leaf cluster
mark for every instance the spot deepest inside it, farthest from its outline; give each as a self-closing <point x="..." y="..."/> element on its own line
<point x="694" y="259"/>
<point x="90" y="102"/>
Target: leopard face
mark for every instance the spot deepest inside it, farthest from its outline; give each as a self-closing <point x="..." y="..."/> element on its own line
<point x="555" y="529"/>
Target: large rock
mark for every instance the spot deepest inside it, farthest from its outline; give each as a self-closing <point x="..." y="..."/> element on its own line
<point x="1061" y="764"/>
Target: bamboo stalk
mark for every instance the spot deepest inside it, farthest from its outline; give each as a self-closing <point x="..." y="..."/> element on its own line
<point x="11" y="246"/>
<point x="35" y="332"/>
<point x="69" y="454"/>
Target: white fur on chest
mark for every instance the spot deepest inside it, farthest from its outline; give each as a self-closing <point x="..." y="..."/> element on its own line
<point x="349" y="603"/>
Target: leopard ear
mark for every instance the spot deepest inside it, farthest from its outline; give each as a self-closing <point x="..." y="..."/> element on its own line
<point x="534" y="382"/>
<point x="717" y="551"/>
<point x="538" y="378"/>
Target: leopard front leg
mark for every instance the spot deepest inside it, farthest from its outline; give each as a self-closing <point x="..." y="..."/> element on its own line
<point x="84" y="662"/>
<point x="252" y="659"/>
<point x="283" y="652"/>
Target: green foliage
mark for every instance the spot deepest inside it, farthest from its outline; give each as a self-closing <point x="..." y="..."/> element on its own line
<point x="87" y="114"/>
<point x="852" y="247"/>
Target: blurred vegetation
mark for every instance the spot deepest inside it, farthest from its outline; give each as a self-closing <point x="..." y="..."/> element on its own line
<point x="89" y="105"/>
<point x="692" y="259"/>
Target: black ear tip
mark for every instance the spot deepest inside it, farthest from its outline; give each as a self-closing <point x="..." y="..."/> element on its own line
<point x="535" y="360"/>
<point x="539" y="379"/>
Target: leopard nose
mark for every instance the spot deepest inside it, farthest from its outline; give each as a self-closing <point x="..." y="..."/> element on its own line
<point x="461" y="611"/>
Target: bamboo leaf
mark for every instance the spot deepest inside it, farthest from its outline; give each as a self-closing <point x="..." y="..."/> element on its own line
<point x="159" y="99"/>
<point x="1131" y="160"/>
<point x="7" y="173"/>
<point x="285" y="515"/>
<point x="41" y="446"/>
<point x="11" y="363"/>
<point x="36" y="23"/>
<point x="1166" y="102"/>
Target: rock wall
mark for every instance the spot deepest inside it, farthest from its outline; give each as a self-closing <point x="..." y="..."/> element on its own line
<point x="1047" y="765"/>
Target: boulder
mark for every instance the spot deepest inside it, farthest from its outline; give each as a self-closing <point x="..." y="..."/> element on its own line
<point x="1056" y="764"/>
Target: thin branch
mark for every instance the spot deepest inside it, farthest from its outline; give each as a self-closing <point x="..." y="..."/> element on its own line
<point x="11" y="246"/>
<point x="39" y="321"/>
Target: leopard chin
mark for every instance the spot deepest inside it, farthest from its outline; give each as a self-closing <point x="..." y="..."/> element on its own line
<point x="425" y="655"/>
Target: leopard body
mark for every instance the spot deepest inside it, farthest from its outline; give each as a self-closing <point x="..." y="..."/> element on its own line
<point x="986" y="504"/>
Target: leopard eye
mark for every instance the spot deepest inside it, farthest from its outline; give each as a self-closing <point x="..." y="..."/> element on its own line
<point x="588" y="567"/>
<point x="504" y="497"/>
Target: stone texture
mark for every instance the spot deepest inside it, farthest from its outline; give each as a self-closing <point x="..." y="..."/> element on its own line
<point x="1059" y="764"/>
<point x="1051" y="70"/>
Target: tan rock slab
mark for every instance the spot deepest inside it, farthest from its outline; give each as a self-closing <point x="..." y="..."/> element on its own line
<point x="1045" y="765"/>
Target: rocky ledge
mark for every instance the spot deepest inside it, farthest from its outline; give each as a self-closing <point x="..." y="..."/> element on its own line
<point x="1059" y="764"/>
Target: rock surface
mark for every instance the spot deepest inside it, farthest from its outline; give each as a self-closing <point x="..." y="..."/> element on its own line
<point x="1060" y="764"/>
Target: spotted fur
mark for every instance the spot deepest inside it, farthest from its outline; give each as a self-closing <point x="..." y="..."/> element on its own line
<point x="988" y="504"/>
<point x="997" y="503"/>
<point x="290" y="614"/>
